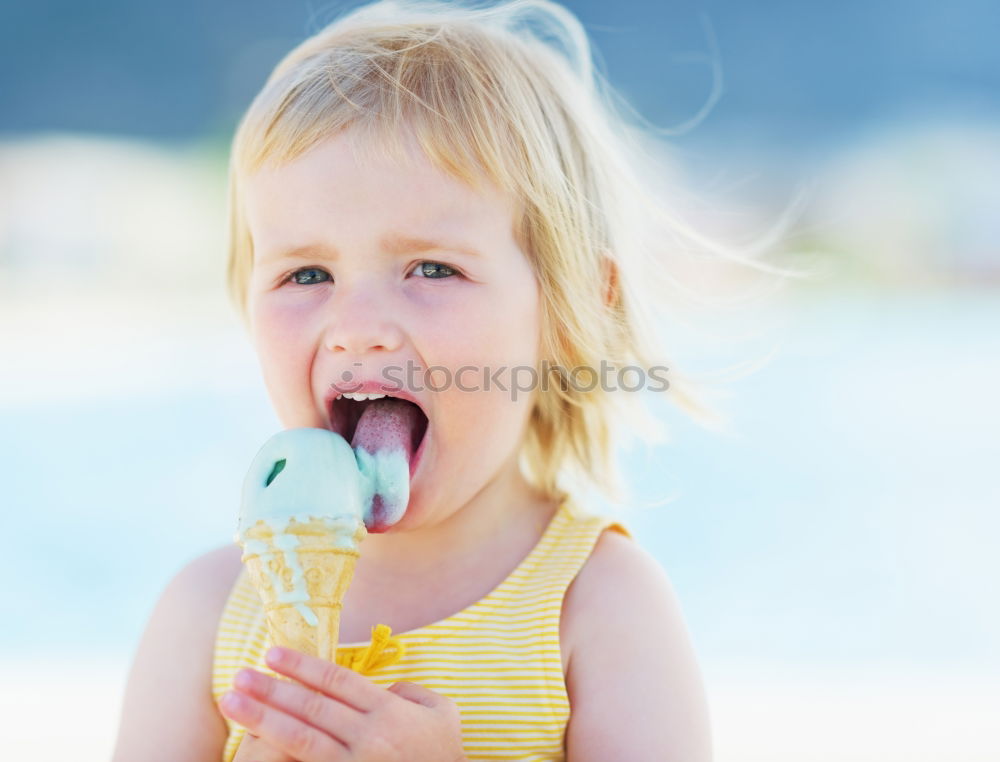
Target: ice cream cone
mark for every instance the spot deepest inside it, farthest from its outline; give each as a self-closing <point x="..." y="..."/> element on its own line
<point x="301" y="570"/>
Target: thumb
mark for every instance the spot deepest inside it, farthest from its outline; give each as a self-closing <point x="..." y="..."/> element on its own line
<point x="418" y="694"/>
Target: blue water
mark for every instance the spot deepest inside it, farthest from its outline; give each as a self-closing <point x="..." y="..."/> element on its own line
<point x="849" y="518"/>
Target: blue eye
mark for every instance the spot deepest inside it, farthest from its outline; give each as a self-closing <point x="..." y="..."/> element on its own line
<point x="316" y="273"/>
<point x="309" y="276"/>
<point x="434" y="270"/>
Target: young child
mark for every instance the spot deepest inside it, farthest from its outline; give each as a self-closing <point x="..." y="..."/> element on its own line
<point x="420" y="189"/>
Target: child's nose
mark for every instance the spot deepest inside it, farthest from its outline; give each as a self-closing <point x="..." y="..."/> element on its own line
<point x="358" y="323"/>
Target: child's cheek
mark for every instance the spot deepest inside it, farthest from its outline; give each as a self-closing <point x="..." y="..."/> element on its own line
<point x="285" y="348"/>
<point x="284" y="320"/>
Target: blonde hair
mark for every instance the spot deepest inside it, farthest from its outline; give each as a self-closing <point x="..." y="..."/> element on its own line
<point x="507" y="93"/>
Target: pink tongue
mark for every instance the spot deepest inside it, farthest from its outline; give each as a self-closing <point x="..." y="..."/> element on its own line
<point x="387" y="424"/>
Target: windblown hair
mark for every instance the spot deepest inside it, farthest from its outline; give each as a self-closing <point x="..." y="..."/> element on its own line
<point x="506" y="93"/>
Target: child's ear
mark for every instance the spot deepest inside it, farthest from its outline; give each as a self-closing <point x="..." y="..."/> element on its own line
<point x="609" y="270"/>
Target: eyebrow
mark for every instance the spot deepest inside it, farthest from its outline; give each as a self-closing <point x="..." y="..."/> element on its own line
<point x="393" y="243"/>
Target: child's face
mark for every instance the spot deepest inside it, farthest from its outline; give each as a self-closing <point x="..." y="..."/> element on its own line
<point x="355" y="307"/>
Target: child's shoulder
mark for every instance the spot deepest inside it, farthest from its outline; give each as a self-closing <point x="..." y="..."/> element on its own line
<point x="618" y="569"/>
<point x="613" y="574"/>
<point x="167" y="705"/>
<point x="199" y="590"/>
<point x="197" y="594"/>
<point x="631" y="658"/>
<point x="210" y="576"/>
<point x="223" y="561"/>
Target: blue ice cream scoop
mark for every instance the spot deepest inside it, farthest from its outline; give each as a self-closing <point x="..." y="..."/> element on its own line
<point x="310" y="472"/>
<point x="303" y="473"/>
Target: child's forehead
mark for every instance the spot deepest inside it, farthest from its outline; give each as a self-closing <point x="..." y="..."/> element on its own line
<point x="323" y="200"/>
<point x="398" y="153"/>
<point x="335" y="177"/>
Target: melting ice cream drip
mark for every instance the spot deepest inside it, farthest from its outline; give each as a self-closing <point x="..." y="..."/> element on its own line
<point x="294" y="591"/>
<point x="286" y="544"/>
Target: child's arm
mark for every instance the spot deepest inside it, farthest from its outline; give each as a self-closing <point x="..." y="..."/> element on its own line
<point x="168" y="712"/>
<point x="634" y="685"/>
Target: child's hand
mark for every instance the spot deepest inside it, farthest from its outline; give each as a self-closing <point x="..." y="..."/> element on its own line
<point x="252" y="749"/>
<point x="332" y="714"/>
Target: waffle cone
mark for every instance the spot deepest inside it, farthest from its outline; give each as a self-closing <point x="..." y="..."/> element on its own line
<point x="325" y="559"/>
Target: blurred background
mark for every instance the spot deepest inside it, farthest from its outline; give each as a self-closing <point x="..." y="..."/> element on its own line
<point x="833" y="548"/>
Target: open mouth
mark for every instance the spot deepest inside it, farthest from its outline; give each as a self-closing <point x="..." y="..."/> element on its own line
<point x="345" y="414"/>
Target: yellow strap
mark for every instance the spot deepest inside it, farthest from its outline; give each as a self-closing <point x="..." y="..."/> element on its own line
<point x="383" y="651"/>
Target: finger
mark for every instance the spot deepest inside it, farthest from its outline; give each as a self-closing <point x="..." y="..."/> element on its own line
<point x="338" y="682"/>
<point x="252" y="749"/>
<point x="329" y="715"/>
<point x="298" y="739"/>
<point x="418" y="694"/>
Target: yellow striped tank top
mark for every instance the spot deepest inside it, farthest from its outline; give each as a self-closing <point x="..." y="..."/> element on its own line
<point x="498" y="659"/>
